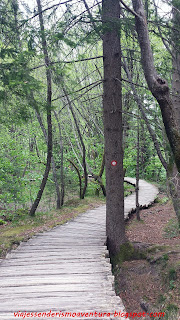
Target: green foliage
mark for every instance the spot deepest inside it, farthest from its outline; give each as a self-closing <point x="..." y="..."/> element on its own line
<point x="172" y="274"/>
<point x="164" y="200"/>
<point x="172" y="229"/>
<point x="71" y="36"/>
<point x="2" y="222"/>
<point x="11" y="163"/>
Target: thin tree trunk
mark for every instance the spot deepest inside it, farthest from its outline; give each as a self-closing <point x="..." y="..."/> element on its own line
<point x="112" y="109"/>
<point x="137" y="176"/>
<point x="82" y="143"/>
<point x="49" y="98"/>
<point x="98" y="177"/>
<point x="79" y="176"/>
<point x="58" y="202"/>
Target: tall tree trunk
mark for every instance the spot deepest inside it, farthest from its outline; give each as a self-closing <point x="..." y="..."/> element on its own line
<point x="158" y="86"/>
<point x="49" y="98"/>
<point x="58" y="202"/>
<point x="112" y="109"/>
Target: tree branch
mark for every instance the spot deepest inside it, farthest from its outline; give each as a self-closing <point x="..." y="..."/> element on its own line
<point x="129" y="9"/>
<point x="66" y="62"/>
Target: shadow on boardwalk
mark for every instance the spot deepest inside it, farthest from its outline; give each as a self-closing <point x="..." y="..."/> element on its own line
<point x="63" y="270"/>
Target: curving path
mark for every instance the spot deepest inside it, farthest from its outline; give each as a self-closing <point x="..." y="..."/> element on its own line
<point x="147" y="195"/>
<point x="66" y="269"/>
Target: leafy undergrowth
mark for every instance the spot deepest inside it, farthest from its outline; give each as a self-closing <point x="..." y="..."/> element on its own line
<point x="147" y="271"/>
<point x="19" y="226"/>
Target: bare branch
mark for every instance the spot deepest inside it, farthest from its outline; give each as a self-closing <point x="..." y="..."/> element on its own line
<point x="66" y="62"/>
<point x="129" y="9"/>
<point x="91" y="18"/>
<point x="95" y="84"/>
<point x="42" y="11"/>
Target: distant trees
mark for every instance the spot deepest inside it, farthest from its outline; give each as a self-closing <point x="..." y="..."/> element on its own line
<point x="52" y="80"/>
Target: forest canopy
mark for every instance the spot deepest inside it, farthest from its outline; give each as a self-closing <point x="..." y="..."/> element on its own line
<point x="51" y="98"/>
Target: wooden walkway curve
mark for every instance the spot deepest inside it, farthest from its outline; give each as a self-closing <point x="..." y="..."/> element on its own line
<point x="66" y="269"/>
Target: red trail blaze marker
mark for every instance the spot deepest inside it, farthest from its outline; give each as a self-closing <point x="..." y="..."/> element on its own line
<point x="114" y="163"/>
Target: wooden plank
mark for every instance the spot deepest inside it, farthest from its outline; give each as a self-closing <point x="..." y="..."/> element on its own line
<point x="52" y="279"/>
<point x="34" y="262"/>
<point x="60" y="288"/>
<point x="65" y="268"/>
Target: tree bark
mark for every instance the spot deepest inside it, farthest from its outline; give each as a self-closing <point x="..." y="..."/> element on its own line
<point x="158" y="86"/>
<point x="58" y="202"/>
<point x="112" y="110"/>
<point x="137" y="175"/>
<point x="49" y="98"/>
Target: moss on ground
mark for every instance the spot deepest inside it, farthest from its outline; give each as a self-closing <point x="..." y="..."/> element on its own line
<point x="128" y="252"/>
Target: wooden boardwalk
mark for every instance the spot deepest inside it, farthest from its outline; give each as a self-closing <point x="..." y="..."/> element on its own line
<point x="147" y="195"/>
<point x="66" y="269"/>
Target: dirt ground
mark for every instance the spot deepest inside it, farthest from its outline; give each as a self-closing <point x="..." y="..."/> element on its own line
<point x="152" y="284"/>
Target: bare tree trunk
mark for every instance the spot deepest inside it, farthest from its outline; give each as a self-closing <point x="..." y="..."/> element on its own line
<point x="158" y="86"/>
<point x="58" y="202"/>
<point x="49" y="96"/>
<point x="137" y="176"/>
<point x="98" y="177"/>
<point x="82" y="143"/>
<point x="79" y="176"/>
<point x="112" y="109"/>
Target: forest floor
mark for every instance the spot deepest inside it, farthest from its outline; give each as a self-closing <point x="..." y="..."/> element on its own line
<point x="148" y="278"/>
<point x="151" y="283"/>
